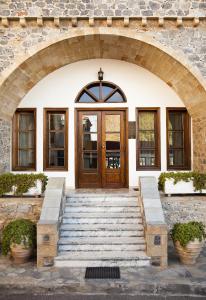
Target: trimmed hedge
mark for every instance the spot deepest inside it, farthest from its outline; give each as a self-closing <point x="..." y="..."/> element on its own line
<point x="199" y="179"/>
<point x="22" y="182"/>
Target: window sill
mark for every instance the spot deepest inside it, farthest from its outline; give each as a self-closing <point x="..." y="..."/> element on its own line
<point x="55" y="170"/>
<point x="148" y="169"/>
<point x="23" y="169"/>
<point x="178" y="169"/>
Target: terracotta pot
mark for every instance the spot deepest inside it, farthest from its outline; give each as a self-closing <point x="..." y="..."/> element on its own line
<point x="189" y="254"/>
<point x="20" y="254"/>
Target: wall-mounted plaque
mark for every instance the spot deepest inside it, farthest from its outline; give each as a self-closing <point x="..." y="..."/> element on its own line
<point x="132" y="130"/>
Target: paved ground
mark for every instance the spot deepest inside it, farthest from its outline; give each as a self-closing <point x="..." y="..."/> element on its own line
<point x="173" y="283"/>
<point x="99" y="297"/>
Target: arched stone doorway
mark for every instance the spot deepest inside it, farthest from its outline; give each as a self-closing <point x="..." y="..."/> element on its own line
<point x="117" y="44"/>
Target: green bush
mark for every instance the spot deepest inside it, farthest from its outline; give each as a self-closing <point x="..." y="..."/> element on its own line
<point x="22" y="182"/>
<point x="199" y="179"/>
<point x="186" y="232"/>
<point x="20" y="231"/>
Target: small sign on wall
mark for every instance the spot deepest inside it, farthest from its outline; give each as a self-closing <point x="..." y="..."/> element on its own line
<point x="132" y="130"/>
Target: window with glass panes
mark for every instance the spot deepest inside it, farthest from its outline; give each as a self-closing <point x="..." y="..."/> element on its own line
<point x="24" y="140"/>
<point x="178" y="139"/>
<point x="55" y="139"/>
<point x="148" y="139"/>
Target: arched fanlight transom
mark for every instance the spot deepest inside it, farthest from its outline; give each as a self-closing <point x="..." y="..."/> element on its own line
<point x="100" y="92"/>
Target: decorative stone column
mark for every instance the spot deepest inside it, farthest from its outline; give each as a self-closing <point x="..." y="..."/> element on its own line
<point x="5" y="145"/>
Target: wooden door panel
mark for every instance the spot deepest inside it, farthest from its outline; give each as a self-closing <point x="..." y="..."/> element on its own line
<point x="101" y="149"/>
<point x="113" y="154"/>
<point x="89" y="149"/>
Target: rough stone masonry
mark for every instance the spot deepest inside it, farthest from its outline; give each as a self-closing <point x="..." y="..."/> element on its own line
<point x="19" y="37"/>
<point x="102" y="8"/>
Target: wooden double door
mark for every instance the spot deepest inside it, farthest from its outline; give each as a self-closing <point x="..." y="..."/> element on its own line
<point x="101" y="149"/>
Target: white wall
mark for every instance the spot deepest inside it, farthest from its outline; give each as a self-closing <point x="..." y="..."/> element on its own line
<point x="60" y="88"/>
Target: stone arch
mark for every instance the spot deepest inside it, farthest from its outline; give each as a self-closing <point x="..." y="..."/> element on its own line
<point x="113" y="43"/>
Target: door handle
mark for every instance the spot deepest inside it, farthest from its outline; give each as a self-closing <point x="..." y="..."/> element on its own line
<point x="103" y="147"/>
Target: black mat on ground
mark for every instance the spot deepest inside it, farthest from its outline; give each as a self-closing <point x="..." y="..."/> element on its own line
<point x="102" y="273"/>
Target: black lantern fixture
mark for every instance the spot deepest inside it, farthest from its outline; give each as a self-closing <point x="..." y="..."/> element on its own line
<point x="100" y="74"/>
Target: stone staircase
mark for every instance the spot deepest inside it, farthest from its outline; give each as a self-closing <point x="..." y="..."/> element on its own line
<point x="100" y="230"/>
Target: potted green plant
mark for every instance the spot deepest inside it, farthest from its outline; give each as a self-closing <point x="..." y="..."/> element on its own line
<point x="19" y="239"/>
<point x="188" y="239"/>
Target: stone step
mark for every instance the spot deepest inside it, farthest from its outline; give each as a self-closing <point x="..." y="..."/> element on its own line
<point x="102" y="255"/>
<point x="102" y="221"/>
<point x="107" y="198"/>
<point x="100" y="215"/>
<point x="102" y="230"/>
<point x="105" y="195"/>
<point x="114" y="227"/>
<point x="66" y="263"/>
<point x="101" y="209"/>
<point x="101" y="240"/>
<point x="127" y="247"/>
<point x="101" y="233"/>
<point x="131" y="203"/>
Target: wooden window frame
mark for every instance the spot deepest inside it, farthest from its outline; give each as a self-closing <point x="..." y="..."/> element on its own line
<point x="101" y="84"/>
<point x="187" y="139"/>
<point x="46" y="141"/>
<point x="15" y="140"/>
<point x="157" y="140"/>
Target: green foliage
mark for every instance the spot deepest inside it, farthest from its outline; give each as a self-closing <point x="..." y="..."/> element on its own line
<point x="22" y="182"/>
<point x="20" y="231"/>
<point x="186" y="232"/>
<point x="199" y="179"/>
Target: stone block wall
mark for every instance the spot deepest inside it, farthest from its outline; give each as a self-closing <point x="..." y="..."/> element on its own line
<point x="102" y="7"/>
<point x="16" y="41"/>
<point x="5" y="141"/>
<point x="15" y="208"/>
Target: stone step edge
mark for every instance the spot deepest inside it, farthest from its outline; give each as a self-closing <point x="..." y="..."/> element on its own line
<point x="66" y="258"/>
<point x="105" y="196"/>
<point x="137" y="208"/>
<point x="98" y="231"/>
<point x="99" y="263"/>
<point x="82" y="248"/>
<point x="99" y="217"/>
<point x="61" y="243"/>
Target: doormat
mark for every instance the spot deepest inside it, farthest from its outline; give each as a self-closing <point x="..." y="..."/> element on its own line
<point x="102" y="273"/>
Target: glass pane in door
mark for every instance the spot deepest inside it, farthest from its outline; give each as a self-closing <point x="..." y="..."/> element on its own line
<point x="89" y="123"/>
<point x="90" y="142"/>
<point x="90" y="160"/>
<point x="112" y="141"/>
<point x="112" y="123"/>
<point x="113" y="160"/>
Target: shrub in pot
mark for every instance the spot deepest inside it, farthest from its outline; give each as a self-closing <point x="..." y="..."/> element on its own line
<point x="188" y="239"/>
<point x="19" y="239"/>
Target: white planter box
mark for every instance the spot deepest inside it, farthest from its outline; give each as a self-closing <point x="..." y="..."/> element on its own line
<point x="34" y="191"/>
<point x="180" y="187"/>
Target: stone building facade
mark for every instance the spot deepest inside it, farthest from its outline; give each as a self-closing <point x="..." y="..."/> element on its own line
<point x="166" y="37"/>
